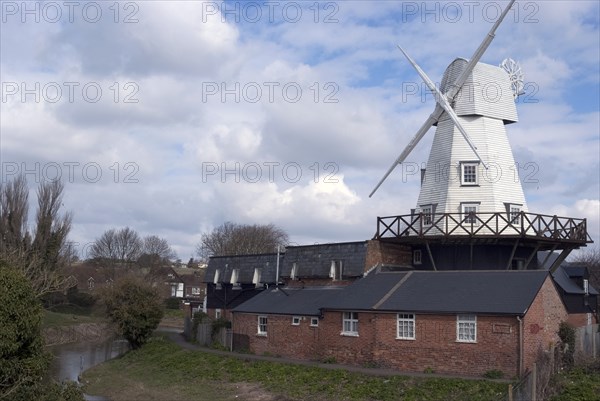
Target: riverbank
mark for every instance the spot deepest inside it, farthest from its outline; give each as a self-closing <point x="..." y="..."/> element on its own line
<point x="162" y="370"/>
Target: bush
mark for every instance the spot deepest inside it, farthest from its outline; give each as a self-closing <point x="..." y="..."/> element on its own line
<point x="136" y="309"/>
<point x="23" y="361"/>
<point x="172" y="303"/>
<point x="80" y="299"/>
<point x="567" y="335"/>
<point x="493" y="374"/>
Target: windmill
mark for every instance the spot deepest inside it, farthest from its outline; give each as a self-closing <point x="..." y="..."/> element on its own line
<point x="471" y="211"/>
<point x="469" y="166"/>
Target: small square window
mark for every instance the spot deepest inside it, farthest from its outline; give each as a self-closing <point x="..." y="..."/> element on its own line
<point x="296" y="321"/>
<point x="262" y="326"/>
<point x="217" y="313"/>
<point x="468" y="173"/>
<point x="427" y="215"/>
<point x="314" y="321"/>
<point x="350" y="324"/>
<point x="469" y="212"/>
<point x="406" y="326"/>
<point x="466" y="328"/>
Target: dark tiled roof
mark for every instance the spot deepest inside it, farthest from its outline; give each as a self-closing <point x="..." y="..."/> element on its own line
<point x="493" y="292"/>
<point x="246" y="265"/>
<point x="290" y="301"/>
<point x="562" y="278"/>
<point x="314" y="261"/>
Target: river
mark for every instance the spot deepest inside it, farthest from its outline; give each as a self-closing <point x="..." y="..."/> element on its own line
<point x="70" y="360"/>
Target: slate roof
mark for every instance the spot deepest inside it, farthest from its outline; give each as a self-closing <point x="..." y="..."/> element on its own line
<point x="314" y="261"/>
<point x="488" y="292"/>
<point x="246" y="264"/>
<point x="290" y="301"/>
<point x="563" y="278"/>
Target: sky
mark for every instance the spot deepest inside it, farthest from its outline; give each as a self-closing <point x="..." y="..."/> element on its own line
<point x="172" y="117"/>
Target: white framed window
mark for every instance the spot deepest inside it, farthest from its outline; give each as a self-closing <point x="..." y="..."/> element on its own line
<point x="195" y="290"/>
<point x="514" y="213"/>
<point x="179" y="292"/>
<point x="314" y="322"/>
<point x="262" y="326"/>
<point x="469" y="212"/>
<point x="336" y="270"/>
<point x="217" y="276"/>
<point x="257" y="276"/>
<point x="466" y="328"/>
<point x="406" y="326"/>
<point x="417" y="257"/>
<point x="588" y="319"/>
<point x="90" y="283"/>
<point x="235" y="274"/>
<point x="294" y="272"/>
<point x="427" y="212"/>
<point x="218" y="313"/>
<point x="586" y="286"/>
<point x="296" y="320"/>
<point x="350" y="324"/>
<point x="468" y="173"/>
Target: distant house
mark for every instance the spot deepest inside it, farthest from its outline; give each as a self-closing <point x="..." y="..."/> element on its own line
<point x="90" y="277"/>
<point x="466" y="322"/>
<point x="578" y="295"/>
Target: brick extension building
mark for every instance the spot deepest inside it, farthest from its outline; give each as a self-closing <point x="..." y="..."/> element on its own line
<point x="467" y="322"/>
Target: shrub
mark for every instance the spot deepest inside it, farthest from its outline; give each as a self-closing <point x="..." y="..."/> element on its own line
<point x="80" y="299"/>
<point x="172" y="303"/>
<point x="567" y="335"/>
<point x="135" y="308"/>
<point x="23" y="360"/>
<point x="493" y="374"/>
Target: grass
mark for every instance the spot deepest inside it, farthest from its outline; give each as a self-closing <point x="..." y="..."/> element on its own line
<point x="56" y="319"/>
<point x="579" y="384"/>
<point x="162" y="370"/>
<point x="174" y="313"/>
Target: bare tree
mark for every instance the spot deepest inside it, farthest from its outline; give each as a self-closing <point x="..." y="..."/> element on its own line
<point x="591" y="259"/>
<point x="122" y="246"/>
<point x="241" y="239"/>
<point x="156" y="251"/>
<point x="41" y="252"/>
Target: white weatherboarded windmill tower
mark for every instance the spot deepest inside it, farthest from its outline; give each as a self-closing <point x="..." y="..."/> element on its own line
<point x="471" y="211"/>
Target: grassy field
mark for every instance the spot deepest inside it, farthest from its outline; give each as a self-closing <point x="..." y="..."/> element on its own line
<point x="55" y="319"/>
<point x="162" y="370"/>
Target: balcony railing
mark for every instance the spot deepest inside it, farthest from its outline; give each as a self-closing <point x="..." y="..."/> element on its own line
<point x="481" y="224"/>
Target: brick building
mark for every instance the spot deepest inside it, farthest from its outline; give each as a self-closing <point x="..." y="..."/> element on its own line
<point x="467" y="322"/>
<point x="580" y="298"/>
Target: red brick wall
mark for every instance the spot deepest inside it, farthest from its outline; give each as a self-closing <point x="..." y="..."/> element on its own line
<point x="580" y="319"/>
<point x="282" y="339"/>
<point x="435" y="345"/>
<point x="540" y="324"/>
<point x="387" y="253"/>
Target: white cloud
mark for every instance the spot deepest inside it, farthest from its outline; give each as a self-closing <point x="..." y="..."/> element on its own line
<point x="177" y="52"/>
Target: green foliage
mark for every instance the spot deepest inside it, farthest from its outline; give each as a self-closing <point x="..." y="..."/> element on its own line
<point x="22" y="357"/>
<point x="135" y="308"/>
<point x="219" y="324"/>
<point x="493" y="374"/>
<point x="579" y="384"/>
<point x="567" y="335"/>
<point x="80" y="299"/>
<point x="164" y="366"/>
<point x="172" y="303"/>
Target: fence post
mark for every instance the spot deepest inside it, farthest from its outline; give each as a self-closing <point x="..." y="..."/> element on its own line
<point x="510" y="392"/>
<point x="534" y="383"/>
